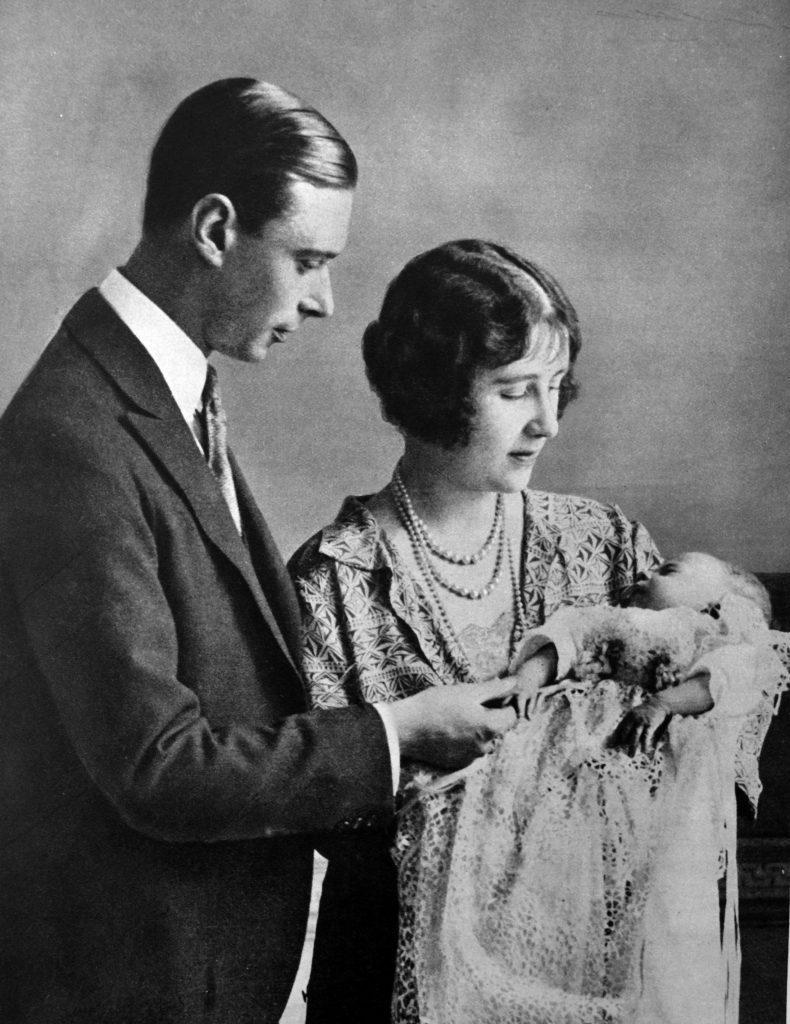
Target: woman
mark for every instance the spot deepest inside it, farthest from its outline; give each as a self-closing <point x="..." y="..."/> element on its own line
<point x="435" y="579"/>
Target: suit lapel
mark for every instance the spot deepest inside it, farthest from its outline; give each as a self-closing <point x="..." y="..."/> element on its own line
<point x="157" y="422"/>
<point x="269" y="566"/>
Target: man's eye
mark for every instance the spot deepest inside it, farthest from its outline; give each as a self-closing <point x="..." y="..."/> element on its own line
<point x="514" y="395"/>
<point x="311" y="264"/>
<point x="666" y="569"/>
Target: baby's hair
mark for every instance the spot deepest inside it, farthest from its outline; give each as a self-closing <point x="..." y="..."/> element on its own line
<point x="746" y="584"/>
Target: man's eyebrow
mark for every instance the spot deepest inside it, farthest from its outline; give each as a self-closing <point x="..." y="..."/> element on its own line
<point x="317" y="254"/>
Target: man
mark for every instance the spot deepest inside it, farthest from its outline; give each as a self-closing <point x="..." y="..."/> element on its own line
<point x="161" y="777"/>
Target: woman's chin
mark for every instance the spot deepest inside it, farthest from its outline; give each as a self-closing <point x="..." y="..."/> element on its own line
<point x="518" y="476"/>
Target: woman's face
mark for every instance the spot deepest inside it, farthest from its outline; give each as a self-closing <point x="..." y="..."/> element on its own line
<point x="516" y="414"/>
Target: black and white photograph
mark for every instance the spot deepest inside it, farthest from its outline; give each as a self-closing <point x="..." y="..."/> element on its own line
<point x="395" y="512"/>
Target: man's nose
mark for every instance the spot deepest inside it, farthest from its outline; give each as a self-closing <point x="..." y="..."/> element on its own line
<point x="319" y="300"/>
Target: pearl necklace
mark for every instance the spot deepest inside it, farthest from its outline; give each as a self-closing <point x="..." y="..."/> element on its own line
<point x="421" y="527"/>
<point x="519" y="627"/>
<point x="519" y="606"/>
<point x="416" y="530"/>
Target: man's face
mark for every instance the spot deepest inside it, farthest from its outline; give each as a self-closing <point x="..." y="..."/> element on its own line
<point x="271" y="281"/>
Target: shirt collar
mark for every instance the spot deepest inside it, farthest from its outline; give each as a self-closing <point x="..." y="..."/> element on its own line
<point x="178" y="358"/>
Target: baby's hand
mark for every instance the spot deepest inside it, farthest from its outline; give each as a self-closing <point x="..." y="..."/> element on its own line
<point x="642" y="726"/>
<point x="529" y="679"/>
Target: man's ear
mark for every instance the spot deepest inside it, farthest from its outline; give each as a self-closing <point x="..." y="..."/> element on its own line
<point x="213" y="227"/>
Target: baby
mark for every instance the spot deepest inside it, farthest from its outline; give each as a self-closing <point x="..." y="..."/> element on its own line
<point x="586" y="643"/>
<point x="574" y="875"/>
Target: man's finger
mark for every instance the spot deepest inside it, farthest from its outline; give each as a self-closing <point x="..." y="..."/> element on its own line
<point x="499" y="720"/>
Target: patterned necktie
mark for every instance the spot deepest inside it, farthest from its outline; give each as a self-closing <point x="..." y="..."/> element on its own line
<point x="216" y="428"/>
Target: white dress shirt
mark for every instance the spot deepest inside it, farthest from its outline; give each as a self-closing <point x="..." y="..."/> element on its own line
<point x="178" y="358"/>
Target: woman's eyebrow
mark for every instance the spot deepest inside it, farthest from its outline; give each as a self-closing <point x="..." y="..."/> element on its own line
<point x="515" y="378"/>
<point x="505" y="378"/>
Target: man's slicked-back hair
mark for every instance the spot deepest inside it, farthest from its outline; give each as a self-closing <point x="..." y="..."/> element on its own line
<point x="246" y="140"/>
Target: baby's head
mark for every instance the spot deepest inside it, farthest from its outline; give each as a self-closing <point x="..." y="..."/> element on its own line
<point x="697" y="580"/>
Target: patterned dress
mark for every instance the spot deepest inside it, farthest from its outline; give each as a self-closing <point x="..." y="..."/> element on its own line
<point x="371" y="635"/>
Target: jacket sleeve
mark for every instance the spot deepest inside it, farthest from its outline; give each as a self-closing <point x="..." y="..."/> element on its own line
<point x="83" y="564"/>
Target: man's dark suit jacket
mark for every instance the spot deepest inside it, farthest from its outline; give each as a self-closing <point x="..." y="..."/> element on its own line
<point x="156" y="802"/>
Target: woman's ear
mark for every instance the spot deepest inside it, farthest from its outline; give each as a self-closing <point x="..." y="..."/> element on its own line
<point x="213" y="227"/>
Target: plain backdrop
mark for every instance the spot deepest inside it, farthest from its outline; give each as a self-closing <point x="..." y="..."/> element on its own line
<point x="638" y="148"/>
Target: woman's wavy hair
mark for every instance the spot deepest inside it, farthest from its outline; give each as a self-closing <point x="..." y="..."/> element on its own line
<point x="452" y="311"/>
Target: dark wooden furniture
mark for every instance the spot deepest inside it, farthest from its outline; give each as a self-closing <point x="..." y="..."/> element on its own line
<point x="764" y="858"/>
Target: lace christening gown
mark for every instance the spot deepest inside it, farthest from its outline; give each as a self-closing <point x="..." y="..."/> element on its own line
<point x="564" y="882"/>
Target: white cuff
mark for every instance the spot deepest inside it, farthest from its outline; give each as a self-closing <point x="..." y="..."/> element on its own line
<point x="734" y="686"/>
<point x="393" y="743"/>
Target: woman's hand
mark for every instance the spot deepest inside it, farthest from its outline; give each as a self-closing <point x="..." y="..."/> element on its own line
<point x="642" y="726"/>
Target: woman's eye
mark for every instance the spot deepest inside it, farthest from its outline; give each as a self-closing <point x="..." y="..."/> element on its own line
<point x="667" y="569"/>
<point x="305" y="265"/>
<point x="513" y="395"/>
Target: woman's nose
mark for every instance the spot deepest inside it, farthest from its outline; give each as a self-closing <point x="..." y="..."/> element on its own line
<point x="319" y="300"/>
<point x="544" y="423"/>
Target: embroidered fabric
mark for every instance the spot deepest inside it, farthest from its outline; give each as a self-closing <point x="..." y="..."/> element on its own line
<point x="566" y="882"/>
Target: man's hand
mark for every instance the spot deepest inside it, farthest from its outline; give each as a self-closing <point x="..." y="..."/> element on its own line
<point x="449" y="726"/>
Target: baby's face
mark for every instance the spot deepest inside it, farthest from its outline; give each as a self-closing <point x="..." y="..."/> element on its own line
<point x="693" y="580"/>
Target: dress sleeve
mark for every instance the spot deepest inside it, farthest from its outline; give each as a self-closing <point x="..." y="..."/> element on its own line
<point x="583" y="553"/>
<point x="638" y="554"/>
<point x="328" y="669"/>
